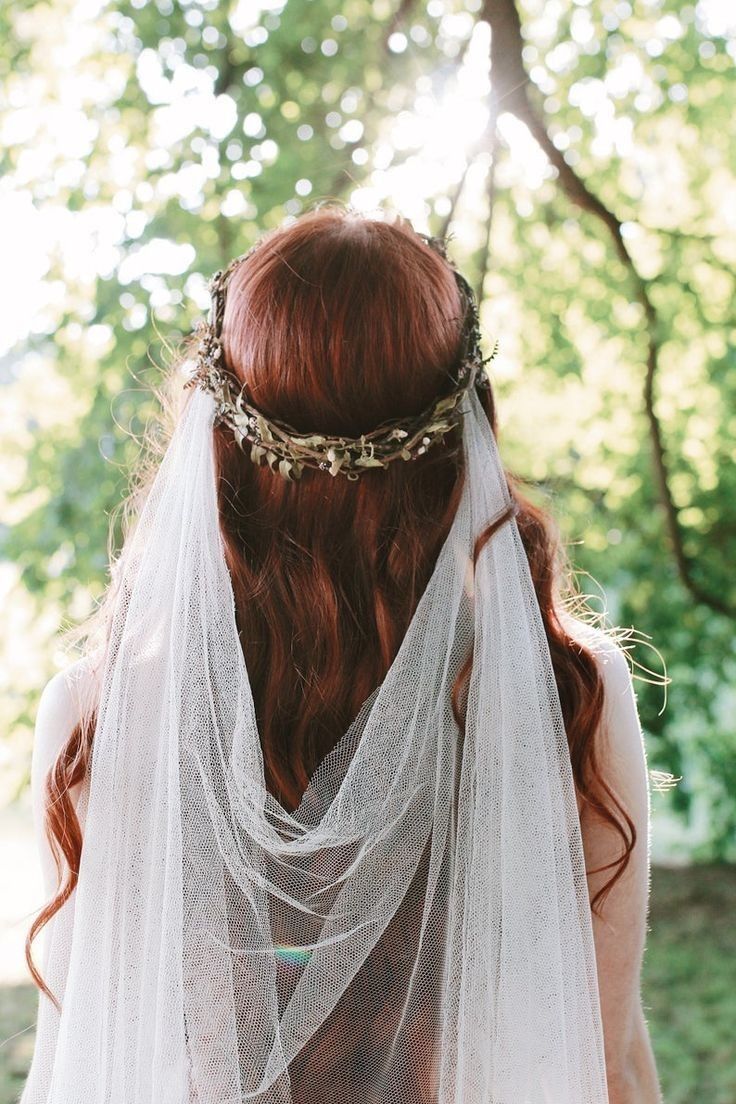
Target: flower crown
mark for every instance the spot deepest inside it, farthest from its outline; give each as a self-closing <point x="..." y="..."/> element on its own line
<point x="289" y="451"/>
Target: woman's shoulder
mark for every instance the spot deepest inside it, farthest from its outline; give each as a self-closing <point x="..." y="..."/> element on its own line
<point x="65" y="699"/>
<point x="612" y="659"/>
<point x="620" y="739"/>
<point x="69" y="691"/>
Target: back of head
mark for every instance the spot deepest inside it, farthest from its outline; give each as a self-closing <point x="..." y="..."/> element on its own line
<point x="335" y="324"/>
<point x="339" y="322"/>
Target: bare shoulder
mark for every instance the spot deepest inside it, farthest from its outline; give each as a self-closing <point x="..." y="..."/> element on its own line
<point x="620" y="754"/>
<point x="622" y="762"/>
<point x="619" y="930"/>
<point x="63" y="701"/>
<point x="610" y="655"/>
<point x="620" y="736"/>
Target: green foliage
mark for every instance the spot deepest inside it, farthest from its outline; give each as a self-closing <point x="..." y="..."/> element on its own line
<point x="190" y="127"/>
<point x="688" y="983"/>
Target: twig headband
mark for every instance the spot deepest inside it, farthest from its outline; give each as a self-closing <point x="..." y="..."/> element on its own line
<point x="289" y="451"/>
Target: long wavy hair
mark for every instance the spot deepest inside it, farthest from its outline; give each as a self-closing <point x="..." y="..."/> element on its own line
<point x="339" y="322"/>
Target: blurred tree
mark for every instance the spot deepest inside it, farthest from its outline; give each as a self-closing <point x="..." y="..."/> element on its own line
<point x="580" y="156"/>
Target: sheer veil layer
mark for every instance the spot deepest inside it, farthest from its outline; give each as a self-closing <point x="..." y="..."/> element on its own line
<point x="417" y="930"/>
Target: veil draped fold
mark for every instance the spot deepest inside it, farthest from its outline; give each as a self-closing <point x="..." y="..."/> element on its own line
<point x="417" y="931"/>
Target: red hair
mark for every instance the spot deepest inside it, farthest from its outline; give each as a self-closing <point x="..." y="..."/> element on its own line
<point x="338" y="322"/>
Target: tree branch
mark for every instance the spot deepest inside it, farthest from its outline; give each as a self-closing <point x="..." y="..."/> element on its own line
<point x="511" y="91"/>
<point x="492" y="132"/>
<point x="454" y="197"/>
<point x="398" y="19"/>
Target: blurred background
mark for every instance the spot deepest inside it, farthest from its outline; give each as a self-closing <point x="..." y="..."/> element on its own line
<point x="582" y="157"/>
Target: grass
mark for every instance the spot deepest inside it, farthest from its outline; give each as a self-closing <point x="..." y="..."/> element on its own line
<point x="689" y="991"/>
<point x="17" y="1010"/>
<point x="690" y="983"/>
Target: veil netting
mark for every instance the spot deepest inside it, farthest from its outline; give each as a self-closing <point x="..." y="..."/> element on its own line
<point x="416" y="931"/>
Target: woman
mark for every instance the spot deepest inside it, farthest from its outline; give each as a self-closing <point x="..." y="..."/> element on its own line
<point x="337" y="766"/>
